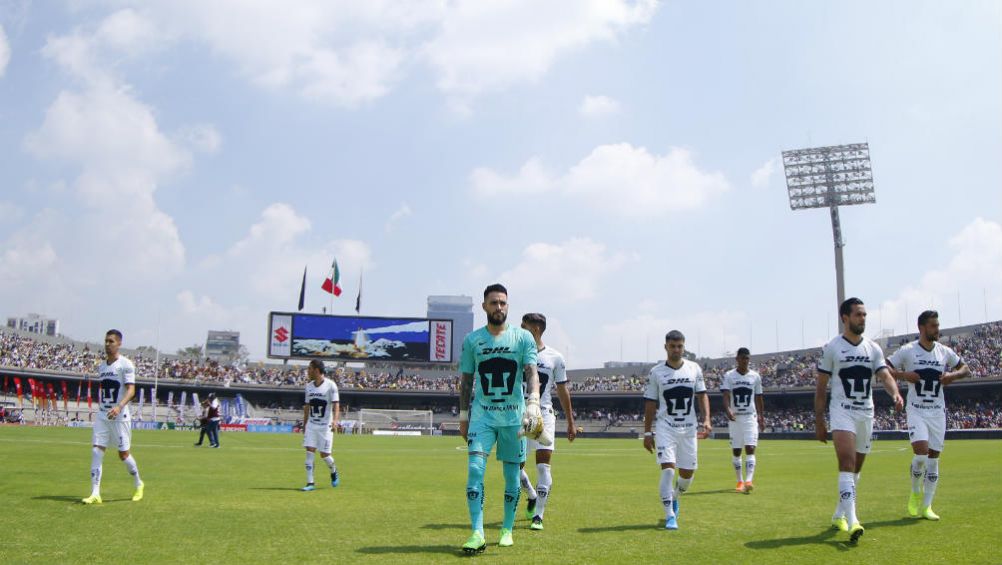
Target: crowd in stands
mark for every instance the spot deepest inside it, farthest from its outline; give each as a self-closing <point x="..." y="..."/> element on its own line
<point x="981" y="349"/>
<point x="981" y="413"/>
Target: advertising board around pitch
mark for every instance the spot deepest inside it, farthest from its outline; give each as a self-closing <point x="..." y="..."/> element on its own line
<point x="359" y="338"/>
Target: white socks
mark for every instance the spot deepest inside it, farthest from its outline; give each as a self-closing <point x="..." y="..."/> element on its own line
<point x="96" y="459"/>
<point x="130" y="465"/>
<point x="527" y="485"/>
<point x="749" y="467"/>
<point x="931" y="480"/>
<point x="918" y="472"/>
<point x="329" y="460"/>
<point x="736" y="461"/>
<point x="667" y="493"/>
<point x="309" y="467"/>
<point x="682" y="485"/>
<point x="847" y="497"/>
<point x="543" y="484"/>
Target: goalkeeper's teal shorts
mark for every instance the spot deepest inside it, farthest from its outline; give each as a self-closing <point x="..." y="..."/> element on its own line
<point x="482" y="436"/>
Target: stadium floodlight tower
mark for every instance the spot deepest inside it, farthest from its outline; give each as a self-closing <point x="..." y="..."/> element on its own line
<point x="829" y="177"/>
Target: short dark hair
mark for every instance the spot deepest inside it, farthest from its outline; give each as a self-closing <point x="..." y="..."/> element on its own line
<point x="674" y="335"/>
<point x="318" y="365"/>
<point x="496" y="287"/>
<point x="743" y="351"/>
<point x="535" y="319"/>
<point x="115" y="333"/>
<point x="845" y="308"/>
<point x="926" y="316"/>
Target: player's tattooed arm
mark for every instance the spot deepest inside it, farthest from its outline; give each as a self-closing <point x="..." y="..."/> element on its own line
<point x="891" y="386"/>
<point x="650" y="408"/>
<point x="532" y="380"/>
<point x="820" y="399"/>
<point x="961" y="371"/>
<point x="908" y="376"/>
<point x="465" y="392"/>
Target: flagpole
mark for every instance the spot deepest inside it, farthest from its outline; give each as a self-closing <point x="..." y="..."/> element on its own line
<point x="156" y="370"/>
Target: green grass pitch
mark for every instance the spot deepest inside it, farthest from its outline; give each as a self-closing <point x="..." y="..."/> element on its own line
<point x="403" y="499"/>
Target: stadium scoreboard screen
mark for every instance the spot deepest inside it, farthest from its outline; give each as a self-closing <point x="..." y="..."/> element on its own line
<point x="359" y="338"/>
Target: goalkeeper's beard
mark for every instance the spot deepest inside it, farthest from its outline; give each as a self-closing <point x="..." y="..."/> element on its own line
<point x="497" y="318"/>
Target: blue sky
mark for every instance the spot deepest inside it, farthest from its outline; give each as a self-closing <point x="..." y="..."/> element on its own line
<point x="170" y="167"/>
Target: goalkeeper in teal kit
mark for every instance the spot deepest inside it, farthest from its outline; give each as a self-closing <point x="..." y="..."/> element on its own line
<point x="492" y="409"/>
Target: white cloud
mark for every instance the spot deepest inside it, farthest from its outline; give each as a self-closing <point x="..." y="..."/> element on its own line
<point x="531" y="178"/>
<point x="976" y="265"/>
<point x="350" y="53"/>
<point x="762" y="175"/>
<point x="204" y="138"/>
<point x="400" y="213"/>
<point x="4" y="52"/>
<point x="10" y="213"/>
<point x="598" y="107"/>
<point x="618" y="178"/>
<point x="567" y="272"/>
<point x="490" y="45"/>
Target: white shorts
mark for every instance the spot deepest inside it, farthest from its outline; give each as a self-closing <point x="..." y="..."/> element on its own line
<point x="743" y="430"/>
<point x="675" y="445"/>
<point x="320" y="438"/>
<point x="549" y="427"/>
<point x="859" y="422"/>
<point x="119" y="432"/>
<point x="927" y="425"/>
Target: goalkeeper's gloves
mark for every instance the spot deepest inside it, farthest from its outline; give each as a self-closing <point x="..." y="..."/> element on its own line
<point x="533" y="422"/>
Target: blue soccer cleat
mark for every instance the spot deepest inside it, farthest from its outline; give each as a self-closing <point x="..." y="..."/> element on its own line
<point x="671" y="523"/>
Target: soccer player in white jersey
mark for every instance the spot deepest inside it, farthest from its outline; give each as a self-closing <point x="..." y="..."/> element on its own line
<point x="742" y="392"/>
<point x="321" y="413"/>
<point x="851" y="361"/>
<point x="672" y="390"/>
<point x="117" y="377"/>
<point x="552" y="373"/>
<point x="928" y="365"/>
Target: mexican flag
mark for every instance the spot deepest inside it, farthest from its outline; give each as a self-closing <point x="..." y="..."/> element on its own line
<point x="332" y="283"/>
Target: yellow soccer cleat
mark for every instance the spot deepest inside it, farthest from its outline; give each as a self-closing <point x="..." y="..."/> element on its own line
<point x="913" y="504"/>
<point x="92" y="499"/>
<point x="840" y="524"/>
<point x="506" y="538"/>
<point x="928" y="514"/>
<point x="138" y="495"/>
<point x="475" y="545"/>
<point x="855" y="532"/>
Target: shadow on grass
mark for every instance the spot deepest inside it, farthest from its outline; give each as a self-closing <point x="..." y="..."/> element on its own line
<point x="623" y="528"/>
<point x="412" y="550"/>
<point x="77" y="499"/>
<point x="699" y="492"/>
<point x="464" y="526"/>
<point x="827" y="537"/>
<point x="287" y="489"/>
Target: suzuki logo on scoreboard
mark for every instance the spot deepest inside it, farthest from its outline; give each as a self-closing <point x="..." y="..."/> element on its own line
<point x="440" y="350"/>
<point x="281" y="330"/>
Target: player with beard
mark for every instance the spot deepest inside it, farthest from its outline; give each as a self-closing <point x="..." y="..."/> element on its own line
<point x="117" y="376"/>
<point x="852" y="361"/>
<point x="929" y="366"/>
<point x="494" y="359"/>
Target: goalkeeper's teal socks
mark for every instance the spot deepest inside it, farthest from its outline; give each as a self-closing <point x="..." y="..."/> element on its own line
<point x="512" y="491"/>
<point x="475" y="491"/>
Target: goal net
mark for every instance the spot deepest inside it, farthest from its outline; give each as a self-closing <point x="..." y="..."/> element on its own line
<point x="395" y="422"/>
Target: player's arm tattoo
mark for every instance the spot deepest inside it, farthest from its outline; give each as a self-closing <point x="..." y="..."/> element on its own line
<point x="820" y="395"/>
<point x="465" y="391"/>
<point x="961" y="371"/>
<point x="890" y="385"/>
<point x="532" y="379"/>
<point x="130" y="393"/>
<point x="650" y="408"/>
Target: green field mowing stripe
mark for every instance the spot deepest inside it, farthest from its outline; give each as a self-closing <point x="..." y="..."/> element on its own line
<point x="403" y="499"/>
